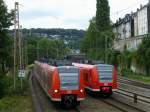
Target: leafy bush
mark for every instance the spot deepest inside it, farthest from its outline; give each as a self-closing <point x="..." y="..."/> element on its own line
<point x="1" y="87"/>
<point x="126" y="72"/>
<point x="143" y="54"/>
<point x="7" y="86"/>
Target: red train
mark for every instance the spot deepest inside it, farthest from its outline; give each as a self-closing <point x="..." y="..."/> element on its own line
<point x="99" y="78"/>
<point x="62" y="84"/>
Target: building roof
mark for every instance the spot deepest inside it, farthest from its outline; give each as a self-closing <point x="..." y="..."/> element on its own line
<point x="129" y="17"/>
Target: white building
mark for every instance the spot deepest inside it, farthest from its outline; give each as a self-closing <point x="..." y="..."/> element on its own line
<point x="130" y="30"/>
<point x="122" y="27"/>
<point x="143" y="20"/>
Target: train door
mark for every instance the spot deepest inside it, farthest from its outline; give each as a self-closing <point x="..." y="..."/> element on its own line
<point x="86" y="78"/>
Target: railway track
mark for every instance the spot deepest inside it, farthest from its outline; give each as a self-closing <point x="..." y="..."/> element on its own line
<point x="121" y="106"/>
<point x="35" y="100"/>
<point x="124" y="107"/>
<point x="134" y="83"/>
<point x="133" y="95"/>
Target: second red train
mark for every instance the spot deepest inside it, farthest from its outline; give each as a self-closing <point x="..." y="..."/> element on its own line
<point x="99" y="78"/>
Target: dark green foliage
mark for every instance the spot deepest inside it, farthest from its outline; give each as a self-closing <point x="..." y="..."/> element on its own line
<point x="51" y="49"/>
<point x="143" y="54"/>
<point x="135" y="76"/>
<point x="5" y="43"/>
<point x="1" y="87"/>
<point x="88" y="43"/>
<point x="31" y="53"/>
<point x="103" y="27"/>
<point x="71" y="36"/>
<point x="57" y="31"/>
<point x="103" y="15"/>
<point x="39" y="48"/>
<point x="113" y="57"/>
<point x="140" y="57"/>
<point x="5" y="17"/>
<point x="126" y="59"/>
<point x="6" y="86"/>
<point x="31" y="48"/>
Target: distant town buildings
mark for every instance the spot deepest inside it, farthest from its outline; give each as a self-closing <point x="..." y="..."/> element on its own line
<point x="130" y="30"/>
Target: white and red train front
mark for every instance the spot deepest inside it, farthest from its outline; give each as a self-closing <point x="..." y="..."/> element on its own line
<point x="62" y="84"/>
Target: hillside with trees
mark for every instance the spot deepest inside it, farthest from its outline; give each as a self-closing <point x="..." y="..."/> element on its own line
<point x="71" y="37"/>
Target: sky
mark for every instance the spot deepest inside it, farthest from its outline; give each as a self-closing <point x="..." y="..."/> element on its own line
<point x="67" y="13"/>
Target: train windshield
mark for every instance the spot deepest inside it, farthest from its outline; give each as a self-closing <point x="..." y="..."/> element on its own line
<point x="105" y="73"/>
<point x="69" y="77"/>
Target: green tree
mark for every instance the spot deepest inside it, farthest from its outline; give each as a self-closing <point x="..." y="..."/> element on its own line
<point x="99" y="36"/>
<point x="32" y="48"/>
<point x="31" y="53"/>
<point x="61" y="49"/>
<point x="113" y="57"/>
<point x="88" y="43"/>
<point x="5" y="22"/>
<point x="45" y="48"/>
<point x="103" y="15"/>
<point x="143" y="54"/>
<point x="54" y="49"/>
<point x="104" y="30"/>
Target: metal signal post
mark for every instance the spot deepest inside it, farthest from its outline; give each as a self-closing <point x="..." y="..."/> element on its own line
<point x="16" y="34"/>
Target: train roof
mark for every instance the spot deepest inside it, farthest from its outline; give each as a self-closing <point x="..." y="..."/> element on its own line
<point x="67" y="67"/>
<point x="91" y="66"/>
<point x="83" y="65"/>
<point x="45" y="65"/>
<point x="104" y="65"/>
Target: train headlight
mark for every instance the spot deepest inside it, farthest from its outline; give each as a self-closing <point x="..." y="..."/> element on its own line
<point x="56" y="91"/>
<point x="81" y="90"/>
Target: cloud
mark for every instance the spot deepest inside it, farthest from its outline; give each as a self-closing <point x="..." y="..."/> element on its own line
<point x="45" y="22"/>
<point x="55" y="13"/>
<point x="67" y="13"/>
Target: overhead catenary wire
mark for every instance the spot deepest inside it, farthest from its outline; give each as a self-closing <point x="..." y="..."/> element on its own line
<point x="128" y="8"/>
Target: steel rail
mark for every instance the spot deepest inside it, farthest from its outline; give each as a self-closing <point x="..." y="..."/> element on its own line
<point x="134" y="83"/>
<point x="134" y="96"/>
<point x="113" y="104"/>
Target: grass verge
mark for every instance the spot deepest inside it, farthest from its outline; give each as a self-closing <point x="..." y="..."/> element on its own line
<point x="16" y="103"/>
<point x="137" y="77"/>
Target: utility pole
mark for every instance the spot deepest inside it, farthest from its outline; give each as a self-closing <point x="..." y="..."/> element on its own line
<point x="37" y="51"/>
<point x="105" y="49"/>
<point x="16" y="33"/>
<point x="20" y="52"/>
<point x="26" y="54"/>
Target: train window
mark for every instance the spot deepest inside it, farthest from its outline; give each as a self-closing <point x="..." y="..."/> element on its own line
<point x="69" y="78"/>
<point x="105" y="73"/>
